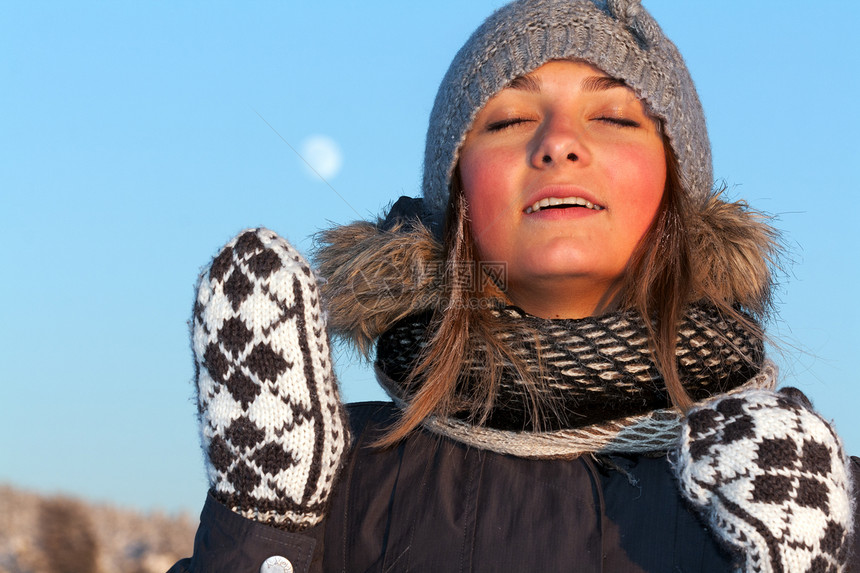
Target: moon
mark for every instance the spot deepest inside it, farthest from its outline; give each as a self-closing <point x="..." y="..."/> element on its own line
<point x="323" y="156"/>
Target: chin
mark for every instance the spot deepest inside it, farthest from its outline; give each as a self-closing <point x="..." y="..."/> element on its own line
<point x="562" y="263"/>
<point x="567" y="274"/>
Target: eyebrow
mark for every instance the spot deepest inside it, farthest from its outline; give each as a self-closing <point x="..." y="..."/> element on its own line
<point x="525" y="83"/>
<point x="602" y="83"/>
<point x="589" y="84"/>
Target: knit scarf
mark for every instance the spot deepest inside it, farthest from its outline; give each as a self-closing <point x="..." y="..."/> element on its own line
<point x="596" y="382"/>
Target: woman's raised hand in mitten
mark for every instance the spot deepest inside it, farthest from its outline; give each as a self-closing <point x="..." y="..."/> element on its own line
<point x="272" y="424"/>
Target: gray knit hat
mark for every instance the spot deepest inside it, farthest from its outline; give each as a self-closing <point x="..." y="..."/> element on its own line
<point x="617" y="36"/>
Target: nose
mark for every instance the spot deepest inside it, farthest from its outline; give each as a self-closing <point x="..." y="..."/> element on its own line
<point x="558" y="142"/>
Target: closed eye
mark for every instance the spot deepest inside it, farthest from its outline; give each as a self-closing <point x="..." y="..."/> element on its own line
<point x="619" y="121"/>
<point x="506" y="123"/>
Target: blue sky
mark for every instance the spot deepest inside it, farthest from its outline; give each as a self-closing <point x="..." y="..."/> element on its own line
<point x="136" y="138"/>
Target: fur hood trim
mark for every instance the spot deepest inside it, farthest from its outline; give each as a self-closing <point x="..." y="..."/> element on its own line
<point x="375" y="274"/>
<point x="734" y="251"/>
<point x="373" y="277"/>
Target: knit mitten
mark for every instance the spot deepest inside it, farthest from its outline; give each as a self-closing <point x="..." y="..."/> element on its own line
<point x="771" y="479"/>
<point x="272" y="424"/>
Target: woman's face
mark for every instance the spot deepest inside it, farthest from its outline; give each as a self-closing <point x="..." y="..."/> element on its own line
<point x="563" y="172"/>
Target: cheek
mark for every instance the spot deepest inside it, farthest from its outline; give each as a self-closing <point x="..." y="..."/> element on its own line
<point x="483" y="222"/>
<point x="643" y="179"/>
<point x="481" y="174"/>
<point x="486" y="185"/>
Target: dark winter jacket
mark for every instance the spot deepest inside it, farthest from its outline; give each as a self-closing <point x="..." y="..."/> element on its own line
<point x="431" y="504"/>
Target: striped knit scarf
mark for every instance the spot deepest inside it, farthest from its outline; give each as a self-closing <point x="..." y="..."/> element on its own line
<point x="595" y="377"/>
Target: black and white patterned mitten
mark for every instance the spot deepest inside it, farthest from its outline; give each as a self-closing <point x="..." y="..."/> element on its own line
<point x="272" y="424"/>
<point x="771" y="479"/>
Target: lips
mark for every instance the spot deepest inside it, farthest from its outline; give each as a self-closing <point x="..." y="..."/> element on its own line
<point x="562" y="203"/>
<point x="561" y="196"/>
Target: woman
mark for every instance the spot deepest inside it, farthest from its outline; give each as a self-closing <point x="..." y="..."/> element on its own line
<point x="567" y="326"/>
